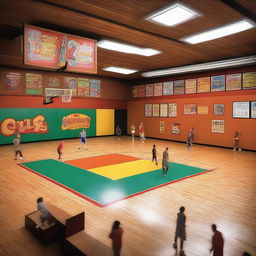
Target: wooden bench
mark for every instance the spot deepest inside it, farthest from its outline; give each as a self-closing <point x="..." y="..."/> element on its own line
<point x="82" y="244"/>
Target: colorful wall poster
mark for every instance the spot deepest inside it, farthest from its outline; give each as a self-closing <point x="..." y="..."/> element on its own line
<point x="12" y="81"/>
<point x="148" y="110"/>
<point x="168" y="88"/>
<point x="52" y="49"/>
<point x="202" y="110"/>
<point x="39" y="124"/>
<point x="172" y="110"/>
<point x="219" y="109"/>
<point x="179" y="87"/>
<point x="241" y="109"/>
<point x="34" y="83"/>
<point x="203" y="84"/>
<point x="141" y="90"/>
<point x="95" y="88"/>
<point x="149" y="90"/>
<point x="134" y="91"/>
<point x="233" y="82"/>
<point x="158" y="89"/>
<point x="156" y="110"/>
<point x="70" y="83"/>
<point x="83" y="87"/>
<point x="218" y="83"/>
<point x="162" y="128"/>
<point x="175" y="128"/>
<point x="249" y="80"/>
<point x="53" y="82"/>
<point x="189" y="109"/>
<point x="218" y="126"/>
<point x="190" y="86"/>
<point x="253" y="109"/>
<point x="164" y="110"/>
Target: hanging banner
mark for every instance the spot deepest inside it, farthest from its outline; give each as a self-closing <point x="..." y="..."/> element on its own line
<point x="218" y="126"/>
<point x="70" y="83"/>
<point x="12" y="82"/>
<point x="158" y="89"/>
<point x="189" y="109"/>
<point x="162" y="129"/>
<point x="179" y="87"/>
<point x="83" y="87"/>
<point x="34" y="83"/>
<point x="156" y="110"/>
<point x="141" y="90"/>
<point x="203" y="84"/>
<point x="135" y="91"/>
<point x="217" y="83"/>
<point x="172" y="110"/>
<point x="190" y="86"/>
<point x="164" y="110"/>
<point x="253" y="109"/>
<point x="202" y="110"/>
<point x="95" y="88"/>
<point x="149" y="90"/>
<point x="249" y="80"/>
<point x="219" y="109"/>
<point x="233" y="82"/>
<point x="175" y="128"/>
<point x="168" y="88"/>
<point x="241" y="109"/>
<point x="53" y="82"/>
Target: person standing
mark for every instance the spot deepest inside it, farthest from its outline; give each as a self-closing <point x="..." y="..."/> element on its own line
<point x="83" y="141"/>
<point x="165" y="164"/>
<point x="236" y="141"/>
<point x="189" y="143"/>
<point x="133" y="131"/>
<point x="192" y="134"/>
<point x="217" y="242"/>
<point x="45" y="214"/>
<point x="142" y="132"/>
<point x="180" y="230"/>
<point x="154" y="158"/>
<point x="17" y="150"/>
<point x="59" y="149"/>
<point x="118" y="132"/>
<point x="116" y="236"/>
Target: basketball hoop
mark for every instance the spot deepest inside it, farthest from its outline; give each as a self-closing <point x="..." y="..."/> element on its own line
<point x="66" y="96"/>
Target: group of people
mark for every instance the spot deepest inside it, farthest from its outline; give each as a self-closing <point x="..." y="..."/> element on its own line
<point x="165" y="159"/>
<point x="133" y="131"/>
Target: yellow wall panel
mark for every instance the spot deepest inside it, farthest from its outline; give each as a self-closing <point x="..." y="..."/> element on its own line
<point x="105" y="122"/>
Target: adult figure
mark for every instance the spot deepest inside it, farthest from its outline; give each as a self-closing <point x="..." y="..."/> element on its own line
<point x="83" y="141"/>
<point x="180" y="230"/>
<point x="142" y="132"/>
<point x="116" y="236"/>
<point x="165" y="164"/>
<point x="217" y="242"/>
<point x="154" y="157"/>
<point x="17" y="150"/>
<point x="236" y="141"/>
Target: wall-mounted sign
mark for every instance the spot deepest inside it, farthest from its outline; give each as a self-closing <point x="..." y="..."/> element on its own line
<point x="75" y="121"/>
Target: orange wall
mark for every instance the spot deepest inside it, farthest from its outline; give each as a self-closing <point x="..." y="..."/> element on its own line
<point x="201" y="123"/>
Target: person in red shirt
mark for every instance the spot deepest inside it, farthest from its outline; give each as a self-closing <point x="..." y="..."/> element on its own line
<point x="116" y="236"/>
<point x="142" y="132"/>
<point x="59" y="149"/>
<point x="217" y="242"/>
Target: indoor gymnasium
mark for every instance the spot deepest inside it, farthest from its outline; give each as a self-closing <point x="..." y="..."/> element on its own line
<point x="128" y="127"/>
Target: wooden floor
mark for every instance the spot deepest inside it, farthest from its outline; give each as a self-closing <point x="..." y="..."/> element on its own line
<point x="225" y="197"/>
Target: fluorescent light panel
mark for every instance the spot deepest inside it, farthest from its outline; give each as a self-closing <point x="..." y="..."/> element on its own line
<point x="204" y="66"/>
<point x="126" y="48"/>
<point x="173" y="15"/>
<point x="125" y="71"/>
<point x="219" y="32"/>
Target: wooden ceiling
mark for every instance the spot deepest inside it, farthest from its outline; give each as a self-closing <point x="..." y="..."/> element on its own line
<point x="123" y="20"/>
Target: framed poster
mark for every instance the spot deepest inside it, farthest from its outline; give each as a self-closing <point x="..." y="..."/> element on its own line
<point x="179" y="87"/>
<point x="190" y="86"/>
<point x="203" y="84"/>
<point x="141" y="90"/>
<point x="52" y="49"/>
<point x="241" y="109"/>
<point x="149" y="90"/>
<point x="175" y="128"/>
<point x="95" y="88"/>
<point x="155" y="111"/>
<point x="53" y="82"/>
<point x="168" y="88"/>
<point x="34" y="83"/>
<point x="83" y="87"/>
<point x="70" y="83"/>
<point x="219" y="109"/>
<point x="162" y="129"/>
<point x="233" y="82"/>
<point x="12" y="82"/>
<point x="172" y="110"/>
<point x="148" y="110"/>
<point x="253" y="109"/>
<point x="249" y="80"/>
<point x="158" y="89"/>
<point x="218" y="126"/>
<point x="218" y="83"/>
<point x="190" y="109"/>
<point x="164" y="110"/>
<point x="202" y="110"/>
<point x="135" y="91"/>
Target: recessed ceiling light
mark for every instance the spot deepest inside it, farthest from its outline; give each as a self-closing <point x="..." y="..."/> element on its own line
<point x="236" y="62"/>
<point x="222" y="31"/>
<point x="173" y="15"/>
<point x="125" y="71"/>
<point x="126" y="48"/>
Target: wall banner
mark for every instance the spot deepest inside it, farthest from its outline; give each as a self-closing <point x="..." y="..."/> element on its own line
<point x="218" y="126"/>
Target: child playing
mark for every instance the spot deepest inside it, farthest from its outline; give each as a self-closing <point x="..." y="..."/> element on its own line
<point x="154" y="158"/>
<point x="59" y="149"/>
<point x="236" y="141"/>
